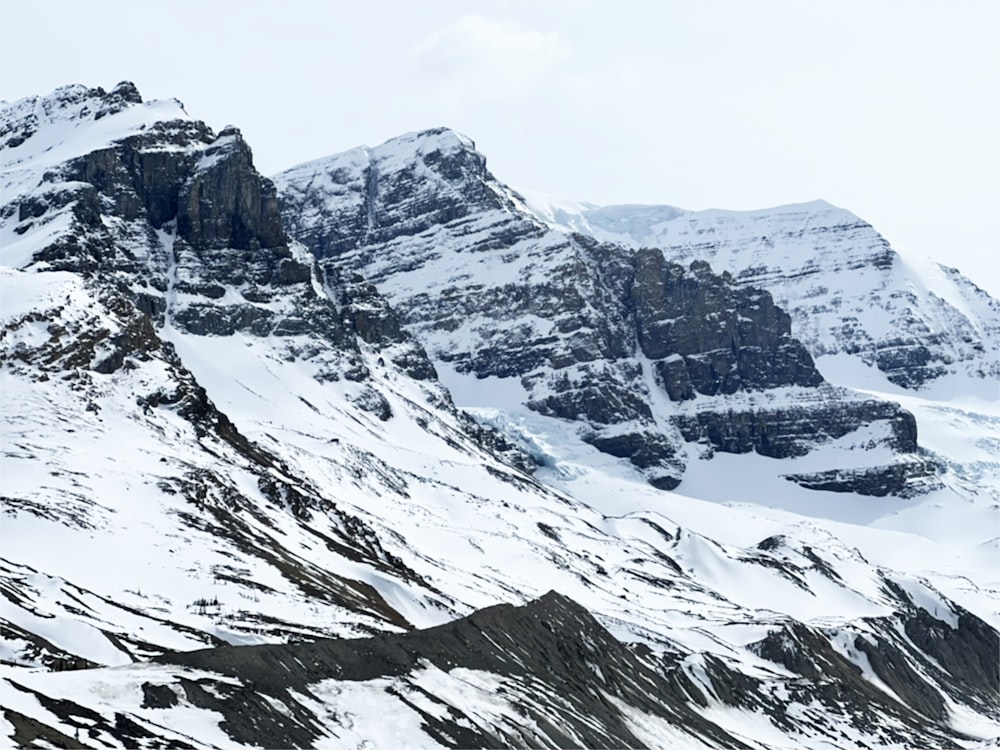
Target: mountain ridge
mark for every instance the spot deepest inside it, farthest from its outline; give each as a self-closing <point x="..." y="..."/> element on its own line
<point x="224" y="442"/>
<point x="595" y="314"/>
<point x="794" y="236"/>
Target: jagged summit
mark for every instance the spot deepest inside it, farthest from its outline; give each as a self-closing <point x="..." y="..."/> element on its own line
<point x="35" y="130"/>
<point x="168" y="249"/>
<point x="64" y="99"/>
<point x="403" y="187"/>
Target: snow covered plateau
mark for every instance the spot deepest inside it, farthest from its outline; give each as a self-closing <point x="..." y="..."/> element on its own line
<point x="381" y="452"/>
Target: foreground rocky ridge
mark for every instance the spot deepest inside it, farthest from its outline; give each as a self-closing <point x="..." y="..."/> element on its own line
<point x="542" y="675"/>
<point x="614" y="339"/>
<point x="223" y="443"/>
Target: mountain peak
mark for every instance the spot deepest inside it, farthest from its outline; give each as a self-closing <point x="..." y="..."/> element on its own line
<point x="72" y="101"/>
<point x="814" y="257"/>
<point x="434" y="149"/>
<point x="442" y="138"/>
<point x="44" y="131"/>
<point x="404" y="186"/>
<point x="400" y="151"/>
<point x="127" y="91"/>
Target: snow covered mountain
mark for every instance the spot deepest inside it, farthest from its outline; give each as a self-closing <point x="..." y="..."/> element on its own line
<point x="240" y="508"/>
<point x="848" y="291"/>
<point x="646" y="355"/>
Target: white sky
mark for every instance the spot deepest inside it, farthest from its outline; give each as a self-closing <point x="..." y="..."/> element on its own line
<point x="890" y="108"/>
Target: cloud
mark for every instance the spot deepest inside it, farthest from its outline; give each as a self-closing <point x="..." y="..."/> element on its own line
<point x="481" y="57"/>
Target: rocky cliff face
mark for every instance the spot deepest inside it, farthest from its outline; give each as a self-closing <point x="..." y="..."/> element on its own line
<point x="592" y="332"/>
<point x="847" y="290"/>
<point x="177" y="213"/>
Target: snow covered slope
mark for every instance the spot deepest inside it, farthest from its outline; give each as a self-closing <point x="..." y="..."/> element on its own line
<point x="210" y="440"/>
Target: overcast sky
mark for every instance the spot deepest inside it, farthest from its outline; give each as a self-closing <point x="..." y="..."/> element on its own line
<point x="888" y="108"/>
